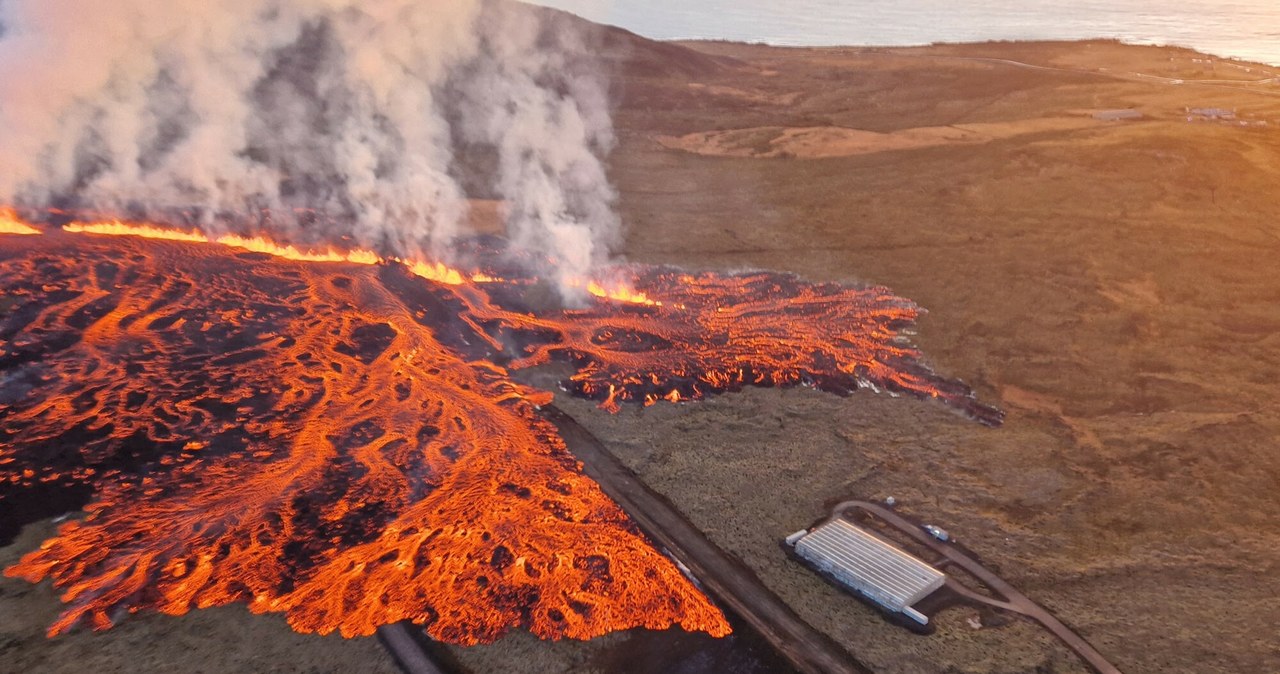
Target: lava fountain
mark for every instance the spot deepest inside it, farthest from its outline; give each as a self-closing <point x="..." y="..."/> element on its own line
<point x="337" y="436"/>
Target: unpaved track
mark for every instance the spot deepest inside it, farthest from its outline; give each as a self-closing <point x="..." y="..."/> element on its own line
<point x="1014" y="600"/>
<point x="412" y="658"/>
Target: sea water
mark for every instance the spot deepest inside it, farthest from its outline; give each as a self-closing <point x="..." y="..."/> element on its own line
<point x="1246" y="29"/>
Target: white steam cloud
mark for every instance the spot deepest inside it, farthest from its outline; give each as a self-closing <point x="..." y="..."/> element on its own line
<point x="361" y="109"/>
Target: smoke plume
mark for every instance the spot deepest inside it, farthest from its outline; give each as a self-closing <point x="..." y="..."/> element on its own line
<point x="372" y="115"/>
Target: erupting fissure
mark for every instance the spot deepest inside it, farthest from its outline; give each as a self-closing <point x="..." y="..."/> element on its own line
<point x="344" y="443"/>
<point x="10" y="223"/>
<point x="439" y="272"/>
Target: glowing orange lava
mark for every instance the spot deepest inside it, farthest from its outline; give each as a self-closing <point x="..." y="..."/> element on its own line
<point x="301" y="441"/>
<point x="341" y="443"/>
<point x="116" y="228"/>
<point x="441" y="273"/>
<point x="256" y="244"/>
<point x="11" y="224"/>
<point x="617" y="293"/>
<point x="710" y="333"/>
<point x="259" y="244"/>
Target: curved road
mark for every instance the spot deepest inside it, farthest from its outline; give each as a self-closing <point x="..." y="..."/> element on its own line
<point x="1013" y="599"/>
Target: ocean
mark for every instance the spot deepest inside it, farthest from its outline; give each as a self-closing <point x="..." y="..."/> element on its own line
<point x="1246" y="29"/>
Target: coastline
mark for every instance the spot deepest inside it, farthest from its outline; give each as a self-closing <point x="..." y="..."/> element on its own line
<point x="1244" y="30"/>
<point x="1268" y="59"/>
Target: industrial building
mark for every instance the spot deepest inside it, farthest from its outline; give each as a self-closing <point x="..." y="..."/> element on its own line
<point x="1117" y="115"/>
<point x="1211" y="113"/>
<point x="868" y="565"/>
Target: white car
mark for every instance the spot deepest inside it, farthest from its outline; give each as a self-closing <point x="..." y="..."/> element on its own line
<point x="937" y="532"/>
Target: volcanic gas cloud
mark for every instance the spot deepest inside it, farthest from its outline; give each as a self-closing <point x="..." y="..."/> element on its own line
<point x="335" y="433"/>
<point x="386" y="116"/>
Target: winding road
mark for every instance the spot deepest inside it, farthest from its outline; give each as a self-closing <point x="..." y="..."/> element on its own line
<point x="1013" y="600"/>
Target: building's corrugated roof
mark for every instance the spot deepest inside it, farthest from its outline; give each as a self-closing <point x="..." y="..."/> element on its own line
<point x="1127" y="113"/>
<point x="869" y="564"/>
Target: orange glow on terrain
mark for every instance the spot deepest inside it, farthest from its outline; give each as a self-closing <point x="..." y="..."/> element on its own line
<point x="620" y="294"/>
<point x="343" y="442"/>
<point x="254" y="244"/>
<point x="143" y="231"/>
<point x="10" y="224"/>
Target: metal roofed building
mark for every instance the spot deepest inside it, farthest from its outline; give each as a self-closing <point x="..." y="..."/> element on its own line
<point x="1211" y="113"/>
<point x="1117" y="115"/>
<point x="868" y="564"/>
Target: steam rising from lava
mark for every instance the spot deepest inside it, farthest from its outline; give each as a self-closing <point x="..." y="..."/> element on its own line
<point x="370" y="112"/>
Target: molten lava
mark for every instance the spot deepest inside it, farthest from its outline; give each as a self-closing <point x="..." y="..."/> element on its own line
<point x="11" y="224"/>
<point x="255" y="244"/>
<point x="343" y="443"/>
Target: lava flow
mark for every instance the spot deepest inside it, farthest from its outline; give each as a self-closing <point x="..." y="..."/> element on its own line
<point x="11" y="224"/>
<point x="336" y="436"/>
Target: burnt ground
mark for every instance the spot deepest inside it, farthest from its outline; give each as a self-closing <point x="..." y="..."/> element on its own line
<point x="1112" y="286"/>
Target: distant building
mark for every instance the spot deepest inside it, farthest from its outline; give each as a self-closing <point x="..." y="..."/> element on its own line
<point x="868" y="565"/>
<point x="1211" y="113"/>
<point x="1117" y="115"/>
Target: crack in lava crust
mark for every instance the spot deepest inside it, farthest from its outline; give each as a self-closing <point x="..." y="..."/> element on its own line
<point x="341" y="442"/>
